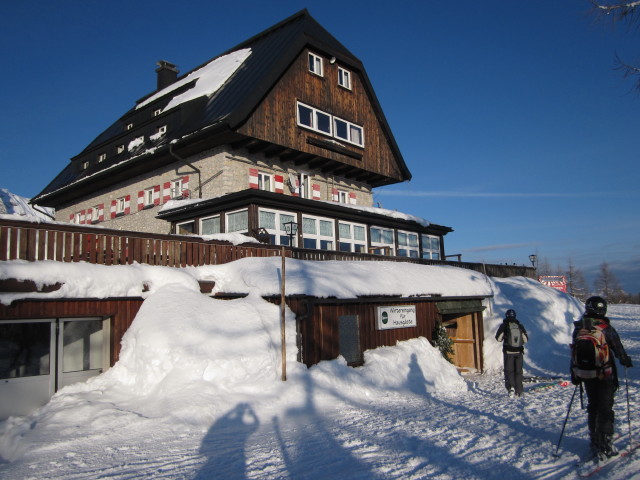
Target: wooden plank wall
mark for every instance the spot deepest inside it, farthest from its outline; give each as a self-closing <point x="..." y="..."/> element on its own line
<point x="318" y="331"/>
<point x="121" y="311"/>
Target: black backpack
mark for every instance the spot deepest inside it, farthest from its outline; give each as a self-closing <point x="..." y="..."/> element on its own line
<point x="513" y="336"/>
<point x="590" y="353"/>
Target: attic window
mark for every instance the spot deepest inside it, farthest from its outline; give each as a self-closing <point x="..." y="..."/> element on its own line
<point x="344" y="78"/>
<point x="129" y="126"/>
<point x="322" y="122"/>
<point x="85" y="165"/>
<point x="120" y="148"/>
<point x="102" y="157"/>
<point x="157" y="112"/>
<point x="315" y="64"/>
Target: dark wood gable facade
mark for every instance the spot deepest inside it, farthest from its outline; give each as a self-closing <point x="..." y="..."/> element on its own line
<point x="299" y="88"/>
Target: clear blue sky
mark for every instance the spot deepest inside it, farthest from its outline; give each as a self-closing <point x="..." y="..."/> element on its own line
<point x="517" y="130"/>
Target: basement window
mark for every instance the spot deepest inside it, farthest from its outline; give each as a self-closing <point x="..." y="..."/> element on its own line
<point x="315" y="64"/>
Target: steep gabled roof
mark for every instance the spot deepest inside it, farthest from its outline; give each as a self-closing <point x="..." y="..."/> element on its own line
<point x="246" y="73"/>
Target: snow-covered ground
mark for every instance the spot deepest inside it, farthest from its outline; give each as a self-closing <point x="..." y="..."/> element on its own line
<point x="197" y="390"/>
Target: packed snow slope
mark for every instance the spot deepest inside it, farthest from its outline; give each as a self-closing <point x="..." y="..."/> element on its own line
<point x="197" y="391"/>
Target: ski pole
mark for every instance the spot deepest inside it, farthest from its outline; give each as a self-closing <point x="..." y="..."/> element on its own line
<point x="581" y="398"/>
<point x="626" y="382"/>
<point x="565" y="420"/>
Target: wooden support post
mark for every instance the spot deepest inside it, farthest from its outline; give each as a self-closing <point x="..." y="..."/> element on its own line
<point x="282" y="315"/>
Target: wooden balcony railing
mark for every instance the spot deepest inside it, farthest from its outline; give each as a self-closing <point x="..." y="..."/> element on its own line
<point x="20" y="240"/>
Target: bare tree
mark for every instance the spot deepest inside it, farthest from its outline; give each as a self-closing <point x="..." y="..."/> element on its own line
<point x="627" y="12"/>
<point x="607" y="285"/>
<point x="576" y="284"/>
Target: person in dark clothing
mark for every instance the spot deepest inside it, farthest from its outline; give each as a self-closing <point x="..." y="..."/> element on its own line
<point x="513" y="336"/>
<point x="601" y="389"/>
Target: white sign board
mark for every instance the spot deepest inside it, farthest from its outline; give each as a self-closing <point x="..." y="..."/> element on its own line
<point x="398" y="316"/>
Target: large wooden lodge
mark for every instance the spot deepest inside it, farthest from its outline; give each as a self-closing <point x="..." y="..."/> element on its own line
<point x="280" y="138"/>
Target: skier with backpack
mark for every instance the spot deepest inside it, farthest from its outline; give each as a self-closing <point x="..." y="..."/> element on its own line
<point x="593" y="366"/>
<point x="513" y="336"/>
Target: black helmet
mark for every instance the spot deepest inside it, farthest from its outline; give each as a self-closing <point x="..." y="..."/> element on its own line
<point x="596" y="307"/>
<point x="511" y="313"/>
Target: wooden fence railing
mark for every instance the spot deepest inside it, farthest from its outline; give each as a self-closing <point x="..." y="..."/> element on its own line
<point x="20" y="240"/>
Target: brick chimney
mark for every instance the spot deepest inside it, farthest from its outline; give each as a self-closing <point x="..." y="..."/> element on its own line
<point x="167" y="74"/>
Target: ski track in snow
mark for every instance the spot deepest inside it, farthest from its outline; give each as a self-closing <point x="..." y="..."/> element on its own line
<point x="478" y="434"/>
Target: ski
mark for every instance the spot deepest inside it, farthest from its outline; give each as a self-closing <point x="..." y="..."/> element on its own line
<point x="537" y="379"/>
<point x="594" y="465"/>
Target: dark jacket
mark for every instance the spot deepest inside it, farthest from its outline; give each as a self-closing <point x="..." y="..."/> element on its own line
<point x="500" y="336"/>
<point x="613" y="340"/>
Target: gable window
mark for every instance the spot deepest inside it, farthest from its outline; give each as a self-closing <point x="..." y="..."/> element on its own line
<point x="408" y="244"/>
<point x="326" y="124"/>
<point x="314" y="119"/>
<point x="344" y="78"/>
<point x="352" y="237"/>
<point x="430" y="247"/>
<point x="315" y="64"/>
<point x="348" y="131"/>
<point x="318" y="233"/>
<point x="264" y="181"/>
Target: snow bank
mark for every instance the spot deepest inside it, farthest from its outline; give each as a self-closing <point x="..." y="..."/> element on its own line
<point x="545" y="312"/>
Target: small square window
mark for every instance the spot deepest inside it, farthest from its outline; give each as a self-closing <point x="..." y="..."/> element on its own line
<point x="85" y="165"/>
<point x="264" y="182"/>
<point x="120" y="148"/>
<point x="315" y="64"/>
<point x="102" y="157"/>
<point x="129" y="126"/>
<point x="157" y="112"/>
<point x="120" y="204"/>
<point x="148" y="197"/>
<point x="344" y="78"/>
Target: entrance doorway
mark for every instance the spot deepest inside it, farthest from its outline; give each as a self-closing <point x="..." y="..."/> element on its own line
<point x="40" y="356"/>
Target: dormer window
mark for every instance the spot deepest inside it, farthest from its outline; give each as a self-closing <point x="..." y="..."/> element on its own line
<point x="157" y="112"/>
<point x="102" y="157"/>
<point x="344" y="78"/>
<point x="315" y="64"/>
<point x="129" y="126"/>
<point x="120" y="148"/>
<point x="85" y="165"/>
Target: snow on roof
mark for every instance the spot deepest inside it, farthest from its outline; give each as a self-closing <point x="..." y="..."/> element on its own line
<point x="175" y="204"/>
<point x="17" y="206"/>
<point x="208" y="79"/>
